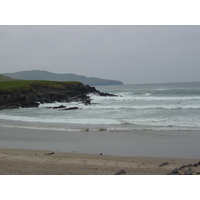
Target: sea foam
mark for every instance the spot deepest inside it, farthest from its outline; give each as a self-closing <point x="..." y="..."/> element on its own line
<point x="143" y="107"/>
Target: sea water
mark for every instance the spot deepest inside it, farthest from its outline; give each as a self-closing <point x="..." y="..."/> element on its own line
<point x="172" y="106"/>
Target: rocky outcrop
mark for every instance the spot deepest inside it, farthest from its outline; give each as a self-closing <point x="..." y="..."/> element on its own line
<point x="41" y="93"/>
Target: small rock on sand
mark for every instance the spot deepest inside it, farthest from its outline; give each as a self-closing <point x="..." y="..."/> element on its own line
<point x="174" y="172"/>
<point x="165" y="163"/>
<point x="120" y="172"/>
<point x="51" y="153"/>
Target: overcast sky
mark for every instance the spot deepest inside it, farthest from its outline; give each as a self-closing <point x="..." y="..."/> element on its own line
<point x="132" y="54"/>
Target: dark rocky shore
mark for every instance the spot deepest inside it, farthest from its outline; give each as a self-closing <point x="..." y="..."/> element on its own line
<point x="41" y="93"/>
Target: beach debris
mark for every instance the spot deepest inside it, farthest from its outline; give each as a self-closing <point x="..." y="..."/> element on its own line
<point x="165" y="163"/>
<point x="120" y="172"/>
<point x="51" y="153"/>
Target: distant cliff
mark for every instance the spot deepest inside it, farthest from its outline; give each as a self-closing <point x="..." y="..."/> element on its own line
<point x="44" y="75"/>
<point x="15" y="94"/>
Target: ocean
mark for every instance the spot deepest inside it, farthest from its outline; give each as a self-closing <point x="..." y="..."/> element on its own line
<point x="170" y="106"/>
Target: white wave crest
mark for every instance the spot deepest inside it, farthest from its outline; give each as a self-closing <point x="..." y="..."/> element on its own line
<point x="146" y="97"/>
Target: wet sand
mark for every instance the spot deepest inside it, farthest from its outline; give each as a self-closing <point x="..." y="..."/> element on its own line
<point x="169" y="144"/>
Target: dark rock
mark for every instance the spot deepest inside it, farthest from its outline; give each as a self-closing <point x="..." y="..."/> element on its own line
<point x="94" y="91"/>
<point x="51" y="153"/>
<point x="189" y="165"/>
<point x="195" y="165"/>
<point x="100" y="154"/>
<point x="9" y="107"/>
<point x="71" y="108"/>
<point x="90" y="89"/>
<point x="183" y="166"/>
<point x="165" y="163"/>
<point x="174" y="172"/>
<point x="57" y="107"/>
<point x="120" y="172"/>
<point x="106" y="94"/>
<point x="27" y="104"/>
<point x="87" y="102"/>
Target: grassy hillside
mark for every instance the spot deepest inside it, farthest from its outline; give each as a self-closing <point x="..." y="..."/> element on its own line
<point x="5" y="78"/>
<point x="26" y="84"/>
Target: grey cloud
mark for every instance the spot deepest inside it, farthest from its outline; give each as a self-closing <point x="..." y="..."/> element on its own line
<point x="132" y="54"/>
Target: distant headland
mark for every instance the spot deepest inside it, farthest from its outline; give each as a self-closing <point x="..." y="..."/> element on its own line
<point x="49" y="76"/>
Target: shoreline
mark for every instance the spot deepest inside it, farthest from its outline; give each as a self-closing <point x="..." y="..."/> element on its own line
<point x="169" y="144"/>
<point x="35" y="162"/>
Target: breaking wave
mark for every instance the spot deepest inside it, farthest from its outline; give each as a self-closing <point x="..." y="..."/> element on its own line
<point x="143" y="107"/>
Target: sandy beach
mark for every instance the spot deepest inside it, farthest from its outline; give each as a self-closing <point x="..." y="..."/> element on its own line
<point x="23" y="151"/>
<point x="32" y="162"/>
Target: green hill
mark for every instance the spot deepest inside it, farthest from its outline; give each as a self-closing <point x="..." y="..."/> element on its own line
<point x="5" y="78"/>
<point x="44" y="75"/>
<point x="17" y="85"/>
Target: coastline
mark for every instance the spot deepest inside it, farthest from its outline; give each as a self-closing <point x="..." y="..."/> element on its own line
<point x="34" y="162"/>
